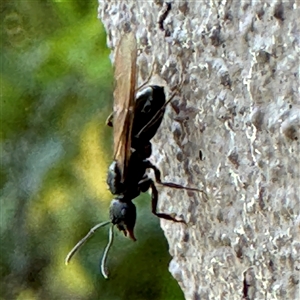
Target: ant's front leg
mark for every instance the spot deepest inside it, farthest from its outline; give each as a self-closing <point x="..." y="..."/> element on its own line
<point x="157" y="175"/>
<point x="144" y="185"/>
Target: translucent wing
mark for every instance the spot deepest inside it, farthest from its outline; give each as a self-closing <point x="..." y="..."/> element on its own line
<point x="124" y="95"/>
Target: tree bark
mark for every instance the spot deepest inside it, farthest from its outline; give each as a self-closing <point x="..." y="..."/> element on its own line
<point x="233" y="131"/>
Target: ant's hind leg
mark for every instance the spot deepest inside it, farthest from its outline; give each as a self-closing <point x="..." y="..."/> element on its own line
<point x="154" y="201"/>
<point x="144" y="185"/>
<point x="157" y="175"/>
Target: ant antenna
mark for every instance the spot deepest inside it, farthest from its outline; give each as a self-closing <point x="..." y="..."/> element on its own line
<point x="82" y="241"/>
<point x="104" y="257"/>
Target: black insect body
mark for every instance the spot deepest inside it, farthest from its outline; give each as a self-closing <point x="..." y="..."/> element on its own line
<point x="122" y="211"/>
<point x="149" y="102"/>
<point x="135" y="121"/>
<point x="148" y="114"/>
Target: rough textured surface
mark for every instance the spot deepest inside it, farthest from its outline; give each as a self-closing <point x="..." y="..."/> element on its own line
<point x="234" y="131"/>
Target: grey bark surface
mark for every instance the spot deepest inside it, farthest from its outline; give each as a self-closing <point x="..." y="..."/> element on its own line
<point x="233" y="131"/>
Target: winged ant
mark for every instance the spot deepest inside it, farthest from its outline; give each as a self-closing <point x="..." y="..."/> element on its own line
<point x="137" y="121"/>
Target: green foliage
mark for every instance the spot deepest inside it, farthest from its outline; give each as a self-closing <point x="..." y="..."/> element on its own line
<point x="56" y="83"/>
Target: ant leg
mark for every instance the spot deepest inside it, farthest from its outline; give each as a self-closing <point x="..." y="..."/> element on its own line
<point x="148" y="79"/>
<point x="154" y="200"/>
<point x="178" y="86"/>
<point x="144" y="186"/>
<point x="157" y="175"/>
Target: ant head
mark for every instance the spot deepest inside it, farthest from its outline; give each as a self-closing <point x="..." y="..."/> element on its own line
<point x="123" y="215"/>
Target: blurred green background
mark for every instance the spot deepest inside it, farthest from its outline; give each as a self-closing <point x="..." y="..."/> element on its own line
<point x="56" y="92"/>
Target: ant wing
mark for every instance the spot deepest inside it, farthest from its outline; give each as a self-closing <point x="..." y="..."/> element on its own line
<point x="124" y="98"/>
